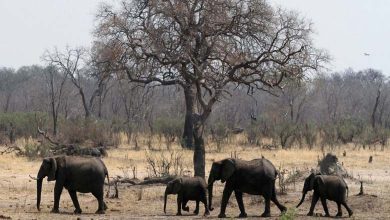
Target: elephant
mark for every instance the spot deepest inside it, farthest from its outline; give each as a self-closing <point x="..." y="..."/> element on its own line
<point x="76" y="174"/>
<point x="187" y="188"/>
<point x="325" y="187"/>
<point x="255" y="177"/>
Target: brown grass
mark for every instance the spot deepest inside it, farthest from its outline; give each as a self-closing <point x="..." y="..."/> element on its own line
<point x="18" y="191"/>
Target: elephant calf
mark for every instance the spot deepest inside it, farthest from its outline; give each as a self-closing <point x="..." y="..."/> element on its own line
<point x="187" y="188"/>
<point x="325" y="187"/>
<point x="76" y="174"/>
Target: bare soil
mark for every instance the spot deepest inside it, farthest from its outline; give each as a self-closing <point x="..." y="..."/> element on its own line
<point x="18" y="191"/>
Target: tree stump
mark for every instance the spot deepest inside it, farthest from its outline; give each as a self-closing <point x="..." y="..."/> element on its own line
<point x="344" y="153"/>
<point x="361" y="189"/>
<point x="370" y="159"/>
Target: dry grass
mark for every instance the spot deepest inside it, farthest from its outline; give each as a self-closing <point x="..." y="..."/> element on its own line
<point x="18" y="192"/>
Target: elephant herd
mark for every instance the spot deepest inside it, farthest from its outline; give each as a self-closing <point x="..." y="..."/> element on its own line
<point x="255" y="177"/>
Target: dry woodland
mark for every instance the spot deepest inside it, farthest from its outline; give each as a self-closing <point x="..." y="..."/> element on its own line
<point x="18" y="191"/>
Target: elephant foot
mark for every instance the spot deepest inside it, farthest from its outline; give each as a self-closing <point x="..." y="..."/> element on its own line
<point x="178" y="214"/>
<point x="243" y="215"/>
<point x="54" y="210"/>
<point x="221" y="215"/>
<point x="100" y="212"/>
<point x="206" y="213"/>
<point x="196" y="212"/>
<point x="339" y="214"/>
<point x="77" y="211"/>
<point x="310" y="214"/>
<point x="327" y="215"/>
<point x="283" y="209"/>
<point x="187" y="209"/>
<point x="350" y="213"/>
<point x="266" y="214"/>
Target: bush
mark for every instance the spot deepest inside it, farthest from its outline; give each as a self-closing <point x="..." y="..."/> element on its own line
<point x="309" y="133"/>
<point x="219" y="133"/>
<point x="285" y="132"/>
<point x="37" y="150"/>
<point x="348" y="129"/>
<point x="169" y="128"/>
<point x="159" y="165"/>
<point x="20" y="124"/>
<point x="87" y="132"/>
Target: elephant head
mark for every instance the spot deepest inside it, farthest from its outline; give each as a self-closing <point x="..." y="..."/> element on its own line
<point x="220" y="170"/>
<point x="311" y="182"/>
<point x="173" y="187"/>
<point x="48" y="168"/>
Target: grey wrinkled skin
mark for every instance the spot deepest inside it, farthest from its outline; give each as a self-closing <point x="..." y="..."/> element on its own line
<point x="255" y="177"/>
<point x="187" y="189"/>
<point x="326" y="187"/>
<point x="76" y="174"/>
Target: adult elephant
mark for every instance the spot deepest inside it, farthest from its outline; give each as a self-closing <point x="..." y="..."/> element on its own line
<point x="256" y="177"/>
<point x="76" y="174"/>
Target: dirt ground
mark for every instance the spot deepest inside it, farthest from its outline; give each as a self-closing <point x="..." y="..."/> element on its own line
<point x="18" y="191"/>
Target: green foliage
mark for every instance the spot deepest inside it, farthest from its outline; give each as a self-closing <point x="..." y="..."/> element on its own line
<point x="219" y="134"/>
<point x="20" y="125"/>
<point x="170" y="128"/>
<point x="80" y="131"/>
<point x="309" y="133"/>
<point x="348" y="129"/>
<point x="36" y="150"/>
<point x="289" y="214"/>
<point x="285" y="132"/>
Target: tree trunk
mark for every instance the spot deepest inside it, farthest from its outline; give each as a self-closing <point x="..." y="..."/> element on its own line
<point x="189" y="95"/>
<point x="199" y="148"/>
<point x="373" y="120"/>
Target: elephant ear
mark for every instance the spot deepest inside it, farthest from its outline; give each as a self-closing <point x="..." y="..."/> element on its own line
<point x="228" y="168"/>
<point x="53" y="169"/>
<point x="177" y="184"/>
<point x="319" y="181"/>
<point x="311" y="179"/>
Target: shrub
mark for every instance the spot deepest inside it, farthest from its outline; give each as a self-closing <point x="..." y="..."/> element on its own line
<point x="169" y="128"/>
<point x="219" y="133"/>
<point x="285" y="132"/>
<point x="160" y="165"/>
<point x="347" y="129"/>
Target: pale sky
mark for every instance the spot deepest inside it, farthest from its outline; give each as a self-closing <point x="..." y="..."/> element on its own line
<point x="345" y="28"/>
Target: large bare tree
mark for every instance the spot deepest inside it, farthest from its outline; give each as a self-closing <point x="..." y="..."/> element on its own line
<point x="204" y="46"/>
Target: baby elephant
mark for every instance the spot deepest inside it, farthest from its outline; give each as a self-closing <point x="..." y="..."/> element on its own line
<point x="187" y="188"/>
<point x="325" y="187"/>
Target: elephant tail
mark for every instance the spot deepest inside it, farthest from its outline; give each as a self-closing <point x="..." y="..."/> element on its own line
<point x="347" y="190"/>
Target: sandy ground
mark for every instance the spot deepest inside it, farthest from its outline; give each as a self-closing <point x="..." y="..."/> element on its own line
<point x="18" y="191"/>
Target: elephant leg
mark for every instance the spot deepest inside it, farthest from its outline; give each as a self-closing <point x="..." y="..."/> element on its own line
<point x="281" y="207"/>
<point x="240" y="204"/>
<point x="350" y="212"/>
<point x="325" y="206"/>
<point x="179" y="203"/>
<point x="267" y="194"/>
<point x="184" y="205"/>
<point x="196" y="211"/>
<point x="339" y="211"/>
<point x="227" y="191"/>
<point x="99" y="196"/>
<point x="313" y="203"/>
<point x="73" y="196"/>
<point x="204" y="201"/>
<point x="57" y="194"/>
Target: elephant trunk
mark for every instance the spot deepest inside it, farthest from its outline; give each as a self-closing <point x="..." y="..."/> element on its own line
<point x="165" y="200"/>
<point x="302" y="199"/>
<point x="210" y="189"/>
<point x="39" y="190"/>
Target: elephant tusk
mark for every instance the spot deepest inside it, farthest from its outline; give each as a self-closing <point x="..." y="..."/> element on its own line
<point x="34" y="178"/>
